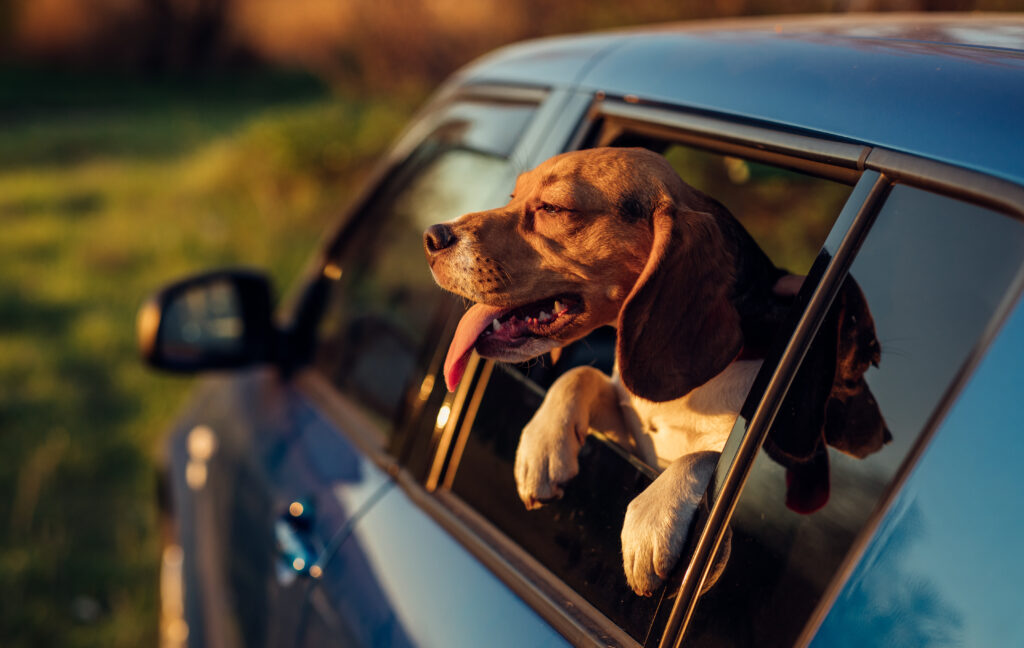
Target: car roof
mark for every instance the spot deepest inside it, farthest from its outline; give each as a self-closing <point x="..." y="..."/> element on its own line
<point x="947" y="87"/>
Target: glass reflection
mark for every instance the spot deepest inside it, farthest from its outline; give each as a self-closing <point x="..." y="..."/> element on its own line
<point x="205" y="319"/>
<point x="830" y="403"/>
<point x="383" y="308"/>
<point x="943" y="568"/>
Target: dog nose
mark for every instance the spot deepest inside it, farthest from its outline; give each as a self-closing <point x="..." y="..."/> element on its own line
<point x="437" y="238"/>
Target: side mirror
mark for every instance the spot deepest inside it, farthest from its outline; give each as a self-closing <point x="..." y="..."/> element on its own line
<point x="219" y="320"/>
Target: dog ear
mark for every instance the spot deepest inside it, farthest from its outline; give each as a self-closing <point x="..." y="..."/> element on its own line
<point x="853" y="422"/>
<point x="677" y="327"/>
<point x="829" y="402"/>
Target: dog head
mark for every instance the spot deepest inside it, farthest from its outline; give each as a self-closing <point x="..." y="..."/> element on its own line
<point x="589" y="238"/>
<point x="830" y="402"/>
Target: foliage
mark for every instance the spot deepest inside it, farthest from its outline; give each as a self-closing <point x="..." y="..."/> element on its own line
<point x="107" y="190"/>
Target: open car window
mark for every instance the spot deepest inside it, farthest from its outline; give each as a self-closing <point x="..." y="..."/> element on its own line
<point x="577" y="538"/>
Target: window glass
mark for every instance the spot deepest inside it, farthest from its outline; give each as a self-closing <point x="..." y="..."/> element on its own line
<point x="789" y="214"/>
<point x="381" y="299"/>
<point x="578" y="537"/>
<point x="932" y="272"/>
<point x="953" y="504"/>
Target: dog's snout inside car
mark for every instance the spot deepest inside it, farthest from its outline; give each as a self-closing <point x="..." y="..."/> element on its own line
<point x="437" y="238"/>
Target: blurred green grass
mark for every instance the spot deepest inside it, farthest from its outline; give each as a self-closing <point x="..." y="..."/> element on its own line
<point x="110" y="187"/>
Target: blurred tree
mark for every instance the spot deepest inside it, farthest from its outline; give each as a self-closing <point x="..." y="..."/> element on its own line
<point x="373" y="43"/>
<point x="188" y="35"/>
<point x="144" y="35"/>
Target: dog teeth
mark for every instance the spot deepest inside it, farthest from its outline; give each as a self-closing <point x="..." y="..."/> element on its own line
<point x="557" y="307"/>
<point x="543" y="316"/>
<point x="495" y="325"/>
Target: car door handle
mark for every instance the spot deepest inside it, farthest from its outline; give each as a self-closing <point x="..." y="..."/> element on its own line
<point x="296" y="546"/>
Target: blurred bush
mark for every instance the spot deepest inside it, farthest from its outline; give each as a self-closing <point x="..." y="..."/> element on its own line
<point x="109" y="187"/>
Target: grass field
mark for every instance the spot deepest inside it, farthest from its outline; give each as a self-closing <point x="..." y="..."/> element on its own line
<point x="108" y="188"/>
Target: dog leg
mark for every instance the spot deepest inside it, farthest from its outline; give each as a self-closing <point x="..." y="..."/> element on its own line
<point x="658" y="521"/>
<point x="547" y="456"/>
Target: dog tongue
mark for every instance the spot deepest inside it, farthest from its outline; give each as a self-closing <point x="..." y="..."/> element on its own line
<point x="472" y="324"/>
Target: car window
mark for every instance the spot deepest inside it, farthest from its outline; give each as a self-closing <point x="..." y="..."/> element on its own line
<point x="931" y="273"/>
<point x="577" y="538"/>
<point x="789" y="214"/>
<point x="951" y="505"/>
<point x="381" y="302"/>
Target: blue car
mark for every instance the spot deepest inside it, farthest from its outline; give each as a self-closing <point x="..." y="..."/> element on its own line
<point x="324" y="488"/>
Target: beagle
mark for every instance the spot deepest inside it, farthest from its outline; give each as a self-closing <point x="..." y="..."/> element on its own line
<point x="614" y="236"/>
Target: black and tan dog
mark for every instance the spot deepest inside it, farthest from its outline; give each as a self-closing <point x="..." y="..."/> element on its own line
<point x="614" y="236"/>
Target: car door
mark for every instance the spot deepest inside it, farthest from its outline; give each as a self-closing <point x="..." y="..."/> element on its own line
<point x="247" y="461"/>
<point x="570" y="548"/>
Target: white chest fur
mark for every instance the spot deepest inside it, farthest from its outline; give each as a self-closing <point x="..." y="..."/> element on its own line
<point x="700" y="420"/>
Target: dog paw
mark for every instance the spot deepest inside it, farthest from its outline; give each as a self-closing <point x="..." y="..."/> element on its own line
<point x="658" y="521"/>
<point x="547" y="457"/>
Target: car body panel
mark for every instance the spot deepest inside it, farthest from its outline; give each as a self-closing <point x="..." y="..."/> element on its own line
<point x="383" y="590"/>
<point x="553" y="62"/>
<point x="944" y="566"/>
<point x="836" y="79"/>
<point x="269" y="448"/>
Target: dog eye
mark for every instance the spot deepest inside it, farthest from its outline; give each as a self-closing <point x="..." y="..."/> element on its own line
<point x="551" y="209"/>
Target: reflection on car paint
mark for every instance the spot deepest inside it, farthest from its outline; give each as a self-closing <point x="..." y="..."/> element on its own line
<point x="943" y="567"/>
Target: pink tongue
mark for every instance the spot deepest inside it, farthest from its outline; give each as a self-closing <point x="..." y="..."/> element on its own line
<point x="472" y="324"/>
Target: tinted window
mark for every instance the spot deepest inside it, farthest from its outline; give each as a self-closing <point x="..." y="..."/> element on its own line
<point x="578" y="537"/>
<point x="951" y="505"/>
<point x="932" y="272"/>
<point x="382" y="302"/>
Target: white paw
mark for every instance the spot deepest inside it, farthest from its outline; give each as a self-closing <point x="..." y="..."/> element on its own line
<point x="547" y="456"/>
<point x="658" y="521"/>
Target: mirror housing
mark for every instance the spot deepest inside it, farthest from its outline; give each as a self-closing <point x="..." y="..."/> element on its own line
<point x="217" y="320"/>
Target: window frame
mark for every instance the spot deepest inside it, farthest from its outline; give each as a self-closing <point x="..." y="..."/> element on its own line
<point x="586" y="119"/>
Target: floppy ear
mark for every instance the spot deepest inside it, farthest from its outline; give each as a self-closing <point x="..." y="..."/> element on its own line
<point x="677" y="327"/>
<point x="853" y="422"/>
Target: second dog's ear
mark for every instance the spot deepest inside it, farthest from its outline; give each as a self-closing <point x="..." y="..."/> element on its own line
<point x="853" y="421"/>
<point x="677" y="327"/>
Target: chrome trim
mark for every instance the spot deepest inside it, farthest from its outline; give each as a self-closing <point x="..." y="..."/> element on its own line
<point x="504" y="93"/>
<point x="468" y="418"/>
<point x="964" y="184"/>
<point x="455" y="403"/>
<point x="840" y="161"/>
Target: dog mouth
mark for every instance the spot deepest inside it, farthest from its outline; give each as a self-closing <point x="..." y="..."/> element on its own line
<point x="499" y="333"/>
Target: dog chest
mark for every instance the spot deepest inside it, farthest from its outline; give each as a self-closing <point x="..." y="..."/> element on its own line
<point x="699" y="421"/>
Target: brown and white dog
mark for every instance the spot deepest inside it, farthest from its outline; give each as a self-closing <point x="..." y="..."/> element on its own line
<point x="614" y="236"/>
